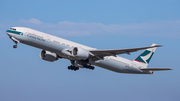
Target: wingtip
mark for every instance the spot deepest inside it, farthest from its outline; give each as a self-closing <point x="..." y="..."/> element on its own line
<point x="155" y="45"/>
<point x="159" y="45"/>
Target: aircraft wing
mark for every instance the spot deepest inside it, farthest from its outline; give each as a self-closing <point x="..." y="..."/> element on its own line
<point x="156" y="69"/>
<point x="114" y="52"/>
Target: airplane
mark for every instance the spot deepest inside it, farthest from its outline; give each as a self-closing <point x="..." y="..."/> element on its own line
<point x="82" y="56"/>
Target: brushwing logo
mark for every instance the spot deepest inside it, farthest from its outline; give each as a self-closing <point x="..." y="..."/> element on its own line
<point x="145" y="57"/>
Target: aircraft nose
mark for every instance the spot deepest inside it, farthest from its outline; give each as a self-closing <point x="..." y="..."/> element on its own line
<point x="7" y="32"/>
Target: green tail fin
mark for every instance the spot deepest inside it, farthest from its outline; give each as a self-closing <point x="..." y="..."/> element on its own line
<point x="146" y="55"/>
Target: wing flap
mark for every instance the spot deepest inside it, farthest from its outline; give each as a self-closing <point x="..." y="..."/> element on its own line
<point x="156" y="69"/>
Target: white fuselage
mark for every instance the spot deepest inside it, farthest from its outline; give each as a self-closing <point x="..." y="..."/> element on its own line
<point x="58" y="45"/>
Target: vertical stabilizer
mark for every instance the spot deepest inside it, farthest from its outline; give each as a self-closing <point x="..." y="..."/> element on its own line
<point x="144" y="58"/>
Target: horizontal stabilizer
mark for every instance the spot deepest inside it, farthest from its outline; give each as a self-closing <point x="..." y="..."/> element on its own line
<point x="156" y="69"/>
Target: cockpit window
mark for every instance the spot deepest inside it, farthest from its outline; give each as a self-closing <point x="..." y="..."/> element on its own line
<point x="13" y="29"/>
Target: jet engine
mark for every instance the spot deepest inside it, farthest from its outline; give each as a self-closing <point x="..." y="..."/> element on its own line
<point x="48" y="56"/>
<point x="80" y="53"/>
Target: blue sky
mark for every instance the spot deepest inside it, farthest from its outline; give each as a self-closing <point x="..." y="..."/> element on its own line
<point x="103" y="24"/>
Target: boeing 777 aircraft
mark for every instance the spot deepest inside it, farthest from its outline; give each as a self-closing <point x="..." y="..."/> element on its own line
<point x="82" y="56"/>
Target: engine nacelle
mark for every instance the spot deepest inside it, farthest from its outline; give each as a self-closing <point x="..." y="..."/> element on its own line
<point x="80" y="53"/>
<point x="48" y="56"/>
